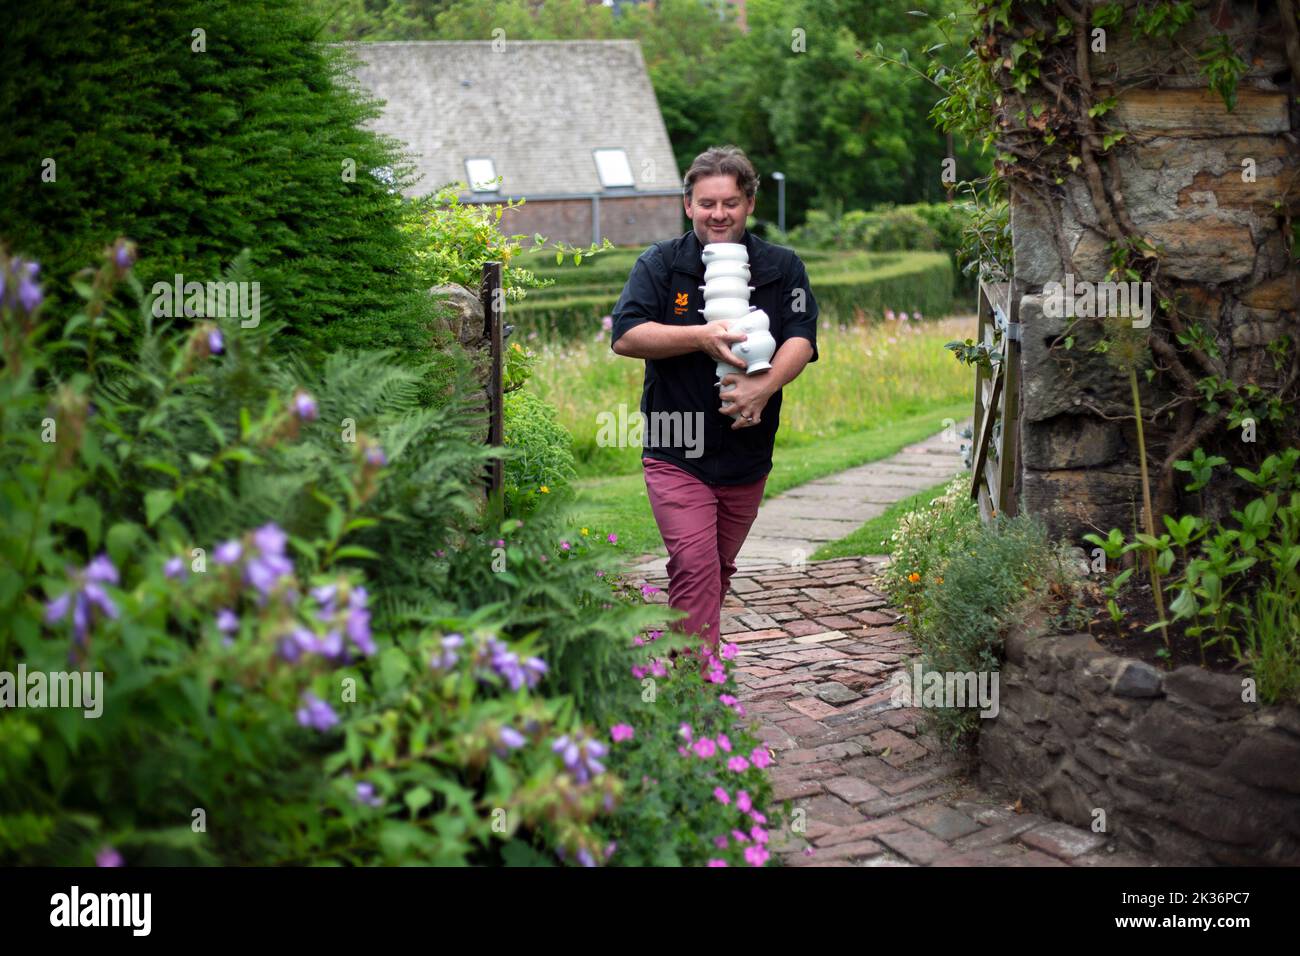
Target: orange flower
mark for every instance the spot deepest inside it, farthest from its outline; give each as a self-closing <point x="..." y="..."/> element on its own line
<point x="914" y="577"/>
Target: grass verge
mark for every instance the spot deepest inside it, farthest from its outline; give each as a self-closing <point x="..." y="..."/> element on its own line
<point x="620" y="503"/>
<point x="873" y="537"/>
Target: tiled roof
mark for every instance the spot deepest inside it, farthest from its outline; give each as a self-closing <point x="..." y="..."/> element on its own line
<point x="536" y="108"/>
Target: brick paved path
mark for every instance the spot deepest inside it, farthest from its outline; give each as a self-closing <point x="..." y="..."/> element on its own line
<point x="817" y="648"/>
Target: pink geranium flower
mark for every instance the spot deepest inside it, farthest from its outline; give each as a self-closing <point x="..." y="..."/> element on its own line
<point x="724" y="743"/>
<point x="739" y="836"/>
<point x="717" y="863"/>
<point x="760" y="757"/>
<point x="685" y="731"/>
<point x="729" y="651"/>
<point x="726" y="699"/>
<point x="737" y="764"/>
<point x="757" y="817"/>
<point x="621" y="732"/>
<point x="743" y="803"/>
<point x="704" y="747"/>
<point x="758" y="833"/>
<point x="721" y="796"/>
<point x="720" y="841"/>
<point x="612" y="538"/>
<point x="755" y="855"/>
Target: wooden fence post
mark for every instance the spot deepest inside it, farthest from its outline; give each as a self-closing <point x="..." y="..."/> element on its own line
<point x="493" y="298"/>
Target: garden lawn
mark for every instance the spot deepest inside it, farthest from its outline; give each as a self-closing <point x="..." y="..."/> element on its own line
<point x="619" y="503"/>
<point x="867" y="377"/>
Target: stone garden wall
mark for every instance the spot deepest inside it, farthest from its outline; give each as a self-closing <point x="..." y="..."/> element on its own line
<point x="1183" y="769"/>
<point x="1217" y="221"/>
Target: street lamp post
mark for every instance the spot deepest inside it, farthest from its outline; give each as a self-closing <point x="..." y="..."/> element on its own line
<point x="780" y="201"/>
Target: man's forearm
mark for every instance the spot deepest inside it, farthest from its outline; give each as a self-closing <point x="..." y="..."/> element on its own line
<point x="658" y="340"/>
<point x="788" y="362"/>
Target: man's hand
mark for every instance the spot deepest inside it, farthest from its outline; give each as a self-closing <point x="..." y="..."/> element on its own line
<point x="716" y="342"/>
<point x="746" y="395"/>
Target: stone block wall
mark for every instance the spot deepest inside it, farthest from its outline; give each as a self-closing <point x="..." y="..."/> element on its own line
<point x="1180" y="174"/>
<point x="1182" y="768"/>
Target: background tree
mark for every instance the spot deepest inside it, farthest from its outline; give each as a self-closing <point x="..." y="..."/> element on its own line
<point x="846" y="133"/>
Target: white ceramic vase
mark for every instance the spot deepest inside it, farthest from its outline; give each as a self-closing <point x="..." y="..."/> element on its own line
<point x="726" y="299"/>
<point x="757" y="350"/>
<point x="729" y="251"/>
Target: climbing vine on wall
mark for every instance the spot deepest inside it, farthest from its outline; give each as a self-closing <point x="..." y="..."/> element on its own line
<point x="1025" y="90"/>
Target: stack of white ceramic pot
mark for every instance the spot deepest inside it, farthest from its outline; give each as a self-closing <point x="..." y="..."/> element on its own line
<point x="726" y="299"/>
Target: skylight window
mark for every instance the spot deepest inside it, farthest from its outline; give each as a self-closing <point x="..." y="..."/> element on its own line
<point x="613" y="168"/>
<point x="482" y="175"/>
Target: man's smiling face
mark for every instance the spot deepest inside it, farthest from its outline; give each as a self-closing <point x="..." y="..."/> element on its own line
<point x="718" y="208"/>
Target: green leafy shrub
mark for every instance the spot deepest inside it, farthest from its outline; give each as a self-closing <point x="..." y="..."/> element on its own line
<point x="251" y="554"/>
<point x="538" y="578"/>
<point x="924" y="540"/>
<point x="945" y="226"/>
<point x="961" y="583"/>
<point x="899" y="229"/>
<point x="451" y="241"/>
<point x="1236" y="584"/>
<point x="544" y="449"/>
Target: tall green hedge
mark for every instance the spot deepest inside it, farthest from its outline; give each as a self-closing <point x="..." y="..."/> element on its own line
<point x="196" y="154"/>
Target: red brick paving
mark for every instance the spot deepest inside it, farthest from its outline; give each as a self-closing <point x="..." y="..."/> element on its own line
<point x="872" y="788"/>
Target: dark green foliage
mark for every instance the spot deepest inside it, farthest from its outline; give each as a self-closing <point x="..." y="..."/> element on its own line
<point x="962" y="583"/>
<point x="545" y="448"/>
<point x="163" y="448"/>
<point x="197" y="155"/>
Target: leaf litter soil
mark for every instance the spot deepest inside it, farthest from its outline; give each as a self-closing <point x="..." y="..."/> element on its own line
<point x="1131" y="639"/>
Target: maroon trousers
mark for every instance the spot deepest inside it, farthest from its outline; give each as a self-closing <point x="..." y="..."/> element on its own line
<point x="703" y="527"/>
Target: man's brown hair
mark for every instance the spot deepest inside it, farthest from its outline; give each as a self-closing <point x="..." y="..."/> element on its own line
<point x="722" y="161"/>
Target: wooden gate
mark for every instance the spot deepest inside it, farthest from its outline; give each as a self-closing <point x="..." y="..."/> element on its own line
<point x="493" y="298"/>
<point x="997" y="402"/>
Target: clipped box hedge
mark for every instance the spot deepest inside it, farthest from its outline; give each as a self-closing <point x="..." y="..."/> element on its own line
<point x="908" y="281"/>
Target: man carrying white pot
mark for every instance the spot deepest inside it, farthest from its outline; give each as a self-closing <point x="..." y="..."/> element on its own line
<point x="705" y="496"/>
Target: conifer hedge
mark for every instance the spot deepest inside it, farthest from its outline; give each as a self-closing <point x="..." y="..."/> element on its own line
<point x="198" y="145"/>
